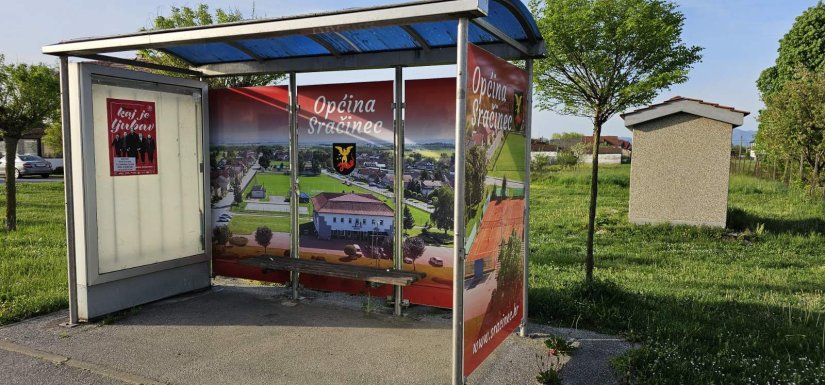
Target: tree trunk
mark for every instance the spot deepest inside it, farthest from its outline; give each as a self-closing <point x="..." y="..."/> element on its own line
<point x="802" y="168"/>
<point x="11" y="185"/>
<point x="786" y="173"/>
<point x="594" y="192"/>
<point x="815" y="175"/>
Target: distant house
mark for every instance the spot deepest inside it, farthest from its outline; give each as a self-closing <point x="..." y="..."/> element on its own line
<point x="624" y="146"/>
<point x="428" y="186"/>
<point x="350" y="216"/>
<point x="258" y="192"/>
<point x="389" y="180"/>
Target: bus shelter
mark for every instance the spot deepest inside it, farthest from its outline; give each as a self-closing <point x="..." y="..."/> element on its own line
<point x="416" y="190"/>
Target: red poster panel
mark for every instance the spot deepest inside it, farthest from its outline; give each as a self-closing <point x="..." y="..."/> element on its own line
<point x="132" y="137"/>
<point x="494" y="194"/>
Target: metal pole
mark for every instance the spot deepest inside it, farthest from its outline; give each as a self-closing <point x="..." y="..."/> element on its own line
<point x="68" y="186"/>
<point x="398" y="249"/>
<point x="293" y="173"/>
<point x="528" y="133"/>
<point x="458" y="216"/>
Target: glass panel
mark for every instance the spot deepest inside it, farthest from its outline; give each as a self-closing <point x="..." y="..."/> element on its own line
<point x="249" y="159"/>
<point x="345" y="154"/>
<point x="429" y="178"/>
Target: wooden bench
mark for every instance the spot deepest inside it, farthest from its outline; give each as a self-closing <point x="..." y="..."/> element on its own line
<point x="314" y="267"/>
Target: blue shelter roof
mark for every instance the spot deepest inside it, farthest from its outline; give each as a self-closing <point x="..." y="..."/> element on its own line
<point x="422" y="32"/>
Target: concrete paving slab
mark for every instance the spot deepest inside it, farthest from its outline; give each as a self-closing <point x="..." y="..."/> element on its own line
<point x="20" y="369"/>
<point x="234" y="334"/>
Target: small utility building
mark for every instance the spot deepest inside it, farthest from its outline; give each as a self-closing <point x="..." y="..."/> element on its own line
<point x="681" y="162"/>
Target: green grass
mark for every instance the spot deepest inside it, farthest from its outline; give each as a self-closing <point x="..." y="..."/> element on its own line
<point x="509" y="160"/>
<point x="277" y="184"/>
<point x="709" y="306"/>
<point x="33" y="276"/>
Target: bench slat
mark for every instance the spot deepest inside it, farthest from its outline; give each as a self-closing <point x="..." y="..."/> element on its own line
<point x="360" y="273"/>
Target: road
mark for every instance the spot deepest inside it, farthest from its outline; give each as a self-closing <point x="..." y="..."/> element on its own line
<point x="382" y="191"/>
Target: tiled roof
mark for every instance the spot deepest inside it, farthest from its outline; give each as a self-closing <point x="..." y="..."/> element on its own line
<point x="681" y="98"/>
<point x="349" y="203"/>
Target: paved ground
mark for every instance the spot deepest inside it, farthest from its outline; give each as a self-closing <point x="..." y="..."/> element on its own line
<point x="254" y="335"/>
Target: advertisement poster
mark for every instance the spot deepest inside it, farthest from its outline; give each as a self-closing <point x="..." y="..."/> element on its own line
<point x="345" y="153"/>
<point x="495" y="169"/>
<point x="132" y="137"/>
<point x="250" y="177"/>
<point x="429" y="185"/>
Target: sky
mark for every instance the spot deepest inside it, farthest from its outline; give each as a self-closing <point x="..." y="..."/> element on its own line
<point x="740" y="39"/>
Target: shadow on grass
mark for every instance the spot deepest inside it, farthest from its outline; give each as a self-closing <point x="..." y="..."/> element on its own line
<point x="683" y="337"/>
<point x="740" y="220"/>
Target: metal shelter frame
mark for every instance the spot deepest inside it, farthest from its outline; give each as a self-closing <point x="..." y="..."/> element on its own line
<point x="420" y="33"/>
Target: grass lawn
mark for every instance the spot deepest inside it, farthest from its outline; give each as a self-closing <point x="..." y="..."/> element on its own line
<point x="709" y="306"/>
<point x="33" y="276"/>
<point x="278" y="184"/>
<point x="509" y="160"/>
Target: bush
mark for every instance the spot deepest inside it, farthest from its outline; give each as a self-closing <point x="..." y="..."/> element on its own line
<point x="238" y="241"/>
<point x="567" y="159"/>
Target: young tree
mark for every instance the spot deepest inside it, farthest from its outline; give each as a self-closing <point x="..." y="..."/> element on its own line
<point x="795" y="116"/>
<point x="476" y="166"/>
<point x="190" y="17"/>
<point x="413" y="249"/>
<point x="263" y="235"/>
<point x="801" y="49"/>
<point x="442" y="215"/>
<point x="504" y="187"/>
<point x="29" y="98"/>
<point x="409" y="221"/>
<point x="604" y="57"/>
<point x="236" y="190"/>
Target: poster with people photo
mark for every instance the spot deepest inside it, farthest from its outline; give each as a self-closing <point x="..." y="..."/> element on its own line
<point x="495" y="168"/>
<point x="132" y="137"/>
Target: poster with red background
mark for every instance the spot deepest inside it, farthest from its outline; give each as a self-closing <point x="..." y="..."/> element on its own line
<point x="495" y="169"/>
<point x="132" y="137"/>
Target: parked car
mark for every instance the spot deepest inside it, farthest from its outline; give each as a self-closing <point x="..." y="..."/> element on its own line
<point x="408" y="260"/>
<point x="436" y="262"/>
<point x="27" y="164"/>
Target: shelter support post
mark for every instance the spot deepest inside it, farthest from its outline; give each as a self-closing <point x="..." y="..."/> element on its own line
<point x="458" y="204"/>
<point x="293" y="173"/>
<point x="398" y="248"/>
<point x="528" y="125"/>
<point x="65" y="121"/>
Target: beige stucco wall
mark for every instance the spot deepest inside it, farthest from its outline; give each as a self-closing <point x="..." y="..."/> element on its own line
<point x="680" y="171"/>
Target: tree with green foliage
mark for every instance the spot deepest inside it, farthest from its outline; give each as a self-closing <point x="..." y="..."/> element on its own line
<point x="801" y="52"/>
<point x="475" y="165"/>
<point x="29" y="98"/>
<point x="604" y="57"/>
<point x="199" y="16"/>
<point x="442" y="201"/>
<point x="221" y="235"/>
<point x="53" y="137"/>
<point x="409" y="221"/>
<point x="566" y="135"/>
<point x="803" y="46"/>
<point x="263" y="235"/>
<point x="794" y="116"/>
<point x="237" y="194"/>
<point x="504" y="187"/>
<point x="413" y="249"/>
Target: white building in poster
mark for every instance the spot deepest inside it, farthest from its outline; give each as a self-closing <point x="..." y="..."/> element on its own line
<point x="349" y="216"/>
